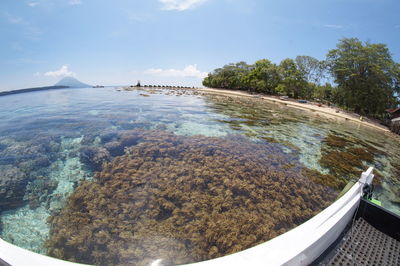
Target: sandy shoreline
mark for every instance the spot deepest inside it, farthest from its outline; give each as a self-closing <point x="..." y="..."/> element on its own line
<point x="332" y="111"/>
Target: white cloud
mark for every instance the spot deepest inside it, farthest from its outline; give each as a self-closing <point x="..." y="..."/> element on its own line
<point x="188" y="71"/>
<point x="180" y="5"/>
<point x="333" y="26"/>
<point x="139" y="17"/>
<point x="62" y="72"/>
<point x="74" y="2"/>
<point x="28" y="30"/>
<point x="14" y="19"/>
<point x="33" y="4"/>
<point x="16" y="46"/>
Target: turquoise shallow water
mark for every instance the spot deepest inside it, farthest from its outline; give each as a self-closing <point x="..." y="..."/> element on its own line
<point x="51" y="141"/>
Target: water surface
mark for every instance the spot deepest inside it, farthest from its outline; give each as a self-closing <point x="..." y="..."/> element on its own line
<point x="108" y="176"/>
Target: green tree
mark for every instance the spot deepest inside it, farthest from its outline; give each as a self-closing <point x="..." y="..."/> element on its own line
<point x="228" y="77"/>
<point x="263" y="77"/>
<point x="324" y="92"/>
<point x="293" y="80"/>
<point x="366" y="75"/>
<point x="311" y="68"/>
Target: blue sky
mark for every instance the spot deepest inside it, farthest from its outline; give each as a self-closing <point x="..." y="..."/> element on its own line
<point x="175" y="41"/>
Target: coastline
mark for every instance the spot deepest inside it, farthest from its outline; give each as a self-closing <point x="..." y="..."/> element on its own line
<point x="309" y="106"/>
<point x="326" y="110"/>
<point x="5" y="93"/>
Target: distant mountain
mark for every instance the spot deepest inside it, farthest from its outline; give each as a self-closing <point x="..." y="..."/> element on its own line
<point x="71" y="83"/>
<point x="67" y="82"/>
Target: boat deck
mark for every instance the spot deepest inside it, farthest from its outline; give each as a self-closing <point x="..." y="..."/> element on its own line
<point x="373" y="238"/>
<point x="365" y="245"/>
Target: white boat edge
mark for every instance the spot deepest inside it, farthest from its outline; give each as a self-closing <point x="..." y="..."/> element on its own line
<point x="299" y="246"/>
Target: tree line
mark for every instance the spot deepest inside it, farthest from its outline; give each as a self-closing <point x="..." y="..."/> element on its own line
<point x="361" y="77"/>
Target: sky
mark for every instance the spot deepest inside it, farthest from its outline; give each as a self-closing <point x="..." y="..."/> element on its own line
<point x="175" y="42"/>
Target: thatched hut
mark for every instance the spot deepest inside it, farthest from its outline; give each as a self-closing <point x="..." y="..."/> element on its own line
<point x="394" y="112"/>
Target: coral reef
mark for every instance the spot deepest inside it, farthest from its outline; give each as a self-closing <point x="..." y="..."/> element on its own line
<point x="39" y="191"/>
<point x="108" y="136"/>
<point x="94" y="157"/>
<point x="2" y="147"/>
<point x="362" y="154"/>
<point x="114" y="148"/>
<point x="31" y="155"/>
<point x="25" y="166"/>
<point x="342" y="163"/>
<point x="40" y="143"/>
<point x="45" y="194"/>
<point x="325" y="179"/>
<point x="396" y="169"/>
<point x="12" y="187"/>
<point x="336" y="141"/>
<point x="165" y="90"/>
<point x="345" y="157"/>
<point x="394" y="194"/>
<point x="118" y="143"/>
<point x="184" y="199"/>
<point x="393" y="188"/>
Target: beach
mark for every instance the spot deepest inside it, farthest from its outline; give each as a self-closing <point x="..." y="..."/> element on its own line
<point x="310" y="106"/>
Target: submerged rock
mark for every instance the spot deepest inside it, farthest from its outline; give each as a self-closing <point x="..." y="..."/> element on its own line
<point x="126" y="139"/>
<point x="394" y="194"/>
<point x="2" y="147"/>
<point x="47" y="144"/>
<point x="33" y="154"/>
<point x="88" y="139"/>
<point x="42" y="161"/>
<point x="114" y="148"/>
<point x="94" y="157"/>
<point x="184" y="199"/>
<point x="107" y="137"/>
<point x="12" y="187"/>
<point x="38" y="191"/>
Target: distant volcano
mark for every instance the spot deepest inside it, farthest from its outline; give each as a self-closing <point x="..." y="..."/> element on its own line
<point x="72" y="83"/>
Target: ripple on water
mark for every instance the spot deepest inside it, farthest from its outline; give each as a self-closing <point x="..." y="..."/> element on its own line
<point x="55" y="148"/>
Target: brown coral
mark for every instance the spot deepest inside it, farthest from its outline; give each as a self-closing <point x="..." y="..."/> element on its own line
<point x="345" y="158"/>
<point x="184" y="199"/>
<point x="325" y="179"/>
<point x="336" y="141"/>
<point x="342" y="163"/>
